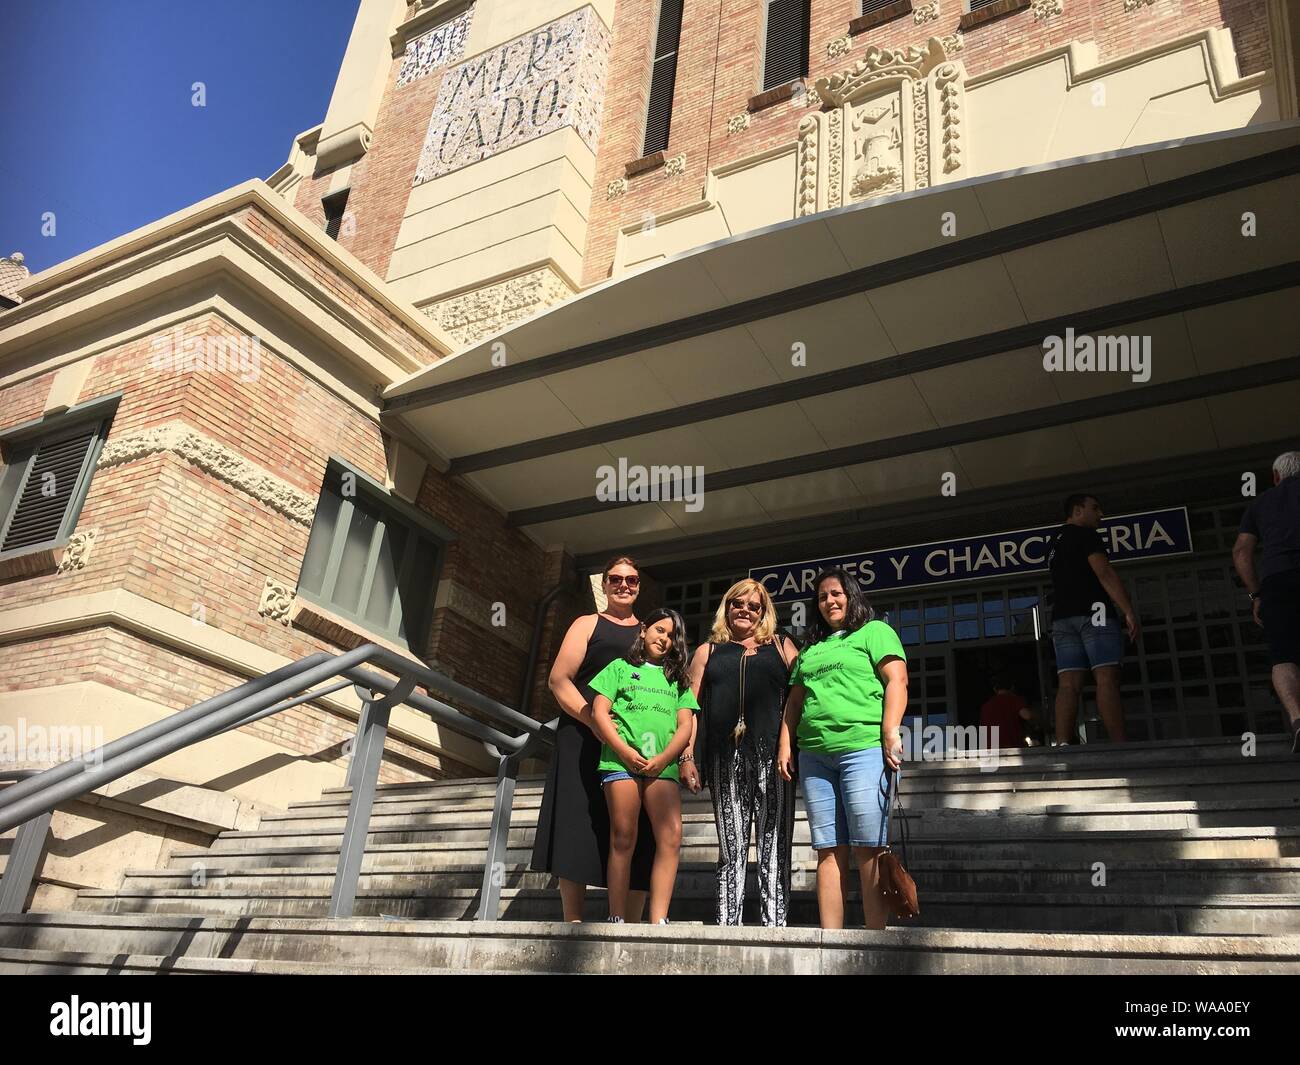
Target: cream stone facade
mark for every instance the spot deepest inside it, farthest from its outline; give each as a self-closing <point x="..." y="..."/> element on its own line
<point x="467" y="137"/>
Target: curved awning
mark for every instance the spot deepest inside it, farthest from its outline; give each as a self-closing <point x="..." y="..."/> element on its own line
<point x="922" y="348"/>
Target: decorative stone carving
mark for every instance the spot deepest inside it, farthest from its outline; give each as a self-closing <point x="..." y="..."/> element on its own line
<point x="433" y="50"/>
<point x="471" y="316"/>
<point x="547" y="79"/>
<point x="277" y="601"/>
<point x="738" y="123"/>
<point x="1046" y="9"/>
<point x="77" y="552"/>
<point x="616" y="188"/>
<point x="894" y="124"/>
<point x="806" y="183"/>
<point x="839" y="46"/>
<point x="811" y="98"/>
<point x="214" y="458"/>
<point x="675" y="166"/>
<point x="1133" y="5"/>
<point x="953" y="42"/>
<point x="923" y="13"/>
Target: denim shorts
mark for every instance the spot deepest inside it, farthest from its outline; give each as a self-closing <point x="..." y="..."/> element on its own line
<point x="613" y="775"/>
<point x="1081" y="645"/>
<point x="845" y="797"/>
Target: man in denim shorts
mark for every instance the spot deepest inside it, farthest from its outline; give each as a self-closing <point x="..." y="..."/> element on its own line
<point x="1088" y="600"/>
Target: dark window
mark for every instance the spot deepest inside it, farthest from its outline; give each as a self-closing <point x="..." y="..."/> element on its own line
<point x="372" y="558"/>
<point x="870" y="7"/>
<point x="45" y="483"/>
<point x="335" y="206"/>
<point x="786" y="54"/>
<point x="663" y="77"/>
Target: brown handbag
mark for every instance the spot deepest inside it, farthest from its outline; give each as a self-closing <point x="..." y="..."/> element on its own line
<point x="896" y="883"/>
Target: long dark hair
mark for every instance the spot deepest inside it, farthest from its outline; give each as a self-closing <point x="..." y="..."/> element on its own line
<point x="858" y="610"/>
<point x="674" y="661"/>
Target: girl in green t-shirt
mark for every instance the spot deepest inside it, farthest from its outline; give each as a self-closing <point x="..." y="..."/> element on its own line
<point x="642" y="714"/>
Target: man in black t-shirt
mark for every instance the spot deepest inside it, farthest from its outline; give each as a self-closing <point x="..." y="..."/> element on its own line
<point x="1088" y="599"/>
<point x="1274" y="519"/>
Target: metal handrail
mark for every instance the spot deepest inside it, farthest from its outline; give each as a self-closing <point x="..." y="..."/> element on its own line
<point x="31" y="801"/>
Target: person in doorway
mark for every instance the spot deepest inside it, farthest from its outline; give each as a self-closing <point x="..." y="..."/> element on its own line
<point x="741" y="677"/>
<point x="848" y="693"/>
<point x="1087" y="601"/>
<point x="572" y="841"/>
<point x="1004" y="717"/>
<point x="1274" y="520"/>
<point x="642" y="711"/>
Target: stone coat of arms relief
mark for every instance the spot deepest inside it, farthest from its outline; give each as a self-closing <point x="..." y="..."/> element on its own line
<point x="891" y="122"/>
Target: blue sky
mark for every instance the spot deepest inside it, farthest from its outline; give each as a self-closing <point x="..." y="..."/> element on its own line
<point x="96" y="119"/>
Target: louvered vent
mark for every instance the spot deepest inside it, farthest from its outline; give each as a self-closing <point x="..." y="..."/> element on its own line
<point x="786" y="57"/>
<point x="663" y="78"/>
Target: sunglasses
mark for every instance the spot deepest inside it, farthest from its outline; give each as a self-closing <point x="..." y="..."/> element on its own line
<point x="615" y="579"/>
<point x="739" y="604"/>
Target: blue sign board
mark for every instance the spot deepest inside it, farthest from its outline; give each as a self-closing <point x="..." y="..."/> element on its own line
<point x="1128" y="537"/>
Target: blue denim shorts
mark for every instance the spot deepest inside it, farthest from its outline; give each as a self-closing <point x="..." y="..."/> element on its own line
<point x="1081" y="645"/>
<point x="617" y="774"/>
<point x="845" y="798"/>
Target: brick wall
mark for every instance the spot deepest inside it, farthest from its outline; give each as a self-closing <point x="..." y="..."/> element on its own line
<point x="718" y="71"/>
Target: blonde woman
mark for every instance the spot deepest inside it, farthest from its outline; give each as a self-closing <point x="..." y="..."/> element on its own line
<point x="740" y="678"/>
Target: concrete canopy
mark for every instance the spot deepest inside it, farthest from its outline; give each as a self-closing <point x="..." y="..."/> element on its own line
<point x="923" y="347"/>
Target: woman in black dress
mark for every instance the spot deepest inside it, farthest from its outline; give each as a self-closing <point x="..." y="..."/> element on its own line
<point x="740" y="678"/>
<point x="572" y="841"/>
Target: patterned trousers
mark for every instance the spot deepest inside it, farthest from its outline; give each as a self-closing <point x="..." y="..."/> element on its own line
<point x="747" y="794"/>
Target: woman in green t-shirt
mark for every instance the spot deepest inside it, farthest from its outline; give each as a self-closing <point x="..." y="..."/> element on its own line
<point x="642" y="713"/>
<point x="848" y="692"/>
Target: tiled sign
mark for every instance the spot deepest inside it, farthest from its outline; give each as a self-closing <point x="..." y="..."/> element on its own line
<point x="549" y="78"/>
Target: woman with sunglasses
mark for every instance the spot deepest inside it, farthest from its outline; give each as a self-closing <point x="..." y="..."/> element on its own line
<point x="740" y="679"/>
<point x="572" y="841"/>
<point x="848" y="693"/>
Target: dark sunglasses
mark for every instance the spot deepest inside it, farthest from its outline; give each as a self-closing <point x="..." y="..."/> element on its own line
<point x="737" y="604"/>
<point x="615" y="579"/>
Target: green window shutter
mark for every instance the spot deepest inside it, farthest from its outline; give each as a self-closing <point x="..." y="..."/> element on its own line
<point x="52" y="481"/>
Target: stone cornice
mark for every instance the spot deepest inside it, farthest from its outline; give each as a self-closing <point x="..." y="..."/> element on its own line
<point x="222" y="245"/>
<point x="254" y="192"/>
<point x="215" y="458"/>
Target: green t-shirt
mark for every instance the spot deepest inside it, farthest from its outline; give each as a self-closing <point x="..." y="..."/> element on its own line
<point x="843" y="696"/>
<point x="644" y="705"/>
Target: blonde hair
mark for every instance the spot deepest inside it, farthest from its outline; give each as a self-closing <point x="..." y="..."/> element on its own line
<point x="764" y="628"/>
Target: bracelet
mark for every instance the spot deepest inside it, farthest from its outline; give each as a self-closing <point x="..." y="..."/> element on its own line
<point x="685" y="758"/>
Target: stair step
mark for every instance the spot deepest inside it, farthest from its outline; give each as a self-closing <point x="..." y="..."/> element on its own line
<point x="1273" y="876"/>
<point x="471" y="946"/>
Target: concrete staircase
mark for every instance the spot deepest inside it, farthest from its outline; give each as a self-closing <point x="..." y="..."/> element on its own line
<point x="1165" y="857"/>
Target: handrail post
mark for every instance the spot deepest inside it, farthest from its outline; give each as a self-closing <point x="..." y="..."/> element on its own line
<point x="20" y="870"/>
<point x="494" y="867"/>
<point x="362" y="778"/>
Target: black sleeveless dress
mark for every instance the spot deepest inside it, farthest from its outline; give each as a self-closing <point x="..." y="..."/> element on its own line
<point x="573" y="824"/>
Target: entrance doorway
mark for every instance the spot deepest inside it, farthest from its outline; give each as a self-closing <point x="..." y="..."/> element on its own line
<point x="975" y="668"/>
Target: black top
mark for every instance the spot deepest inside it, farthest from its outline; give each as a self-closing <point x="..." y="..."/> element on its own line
<point x="1075" y="587"/>
<point x="1275" y="518"/>
<point x="766" y="679"/>
<point x="609" y="641"/>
